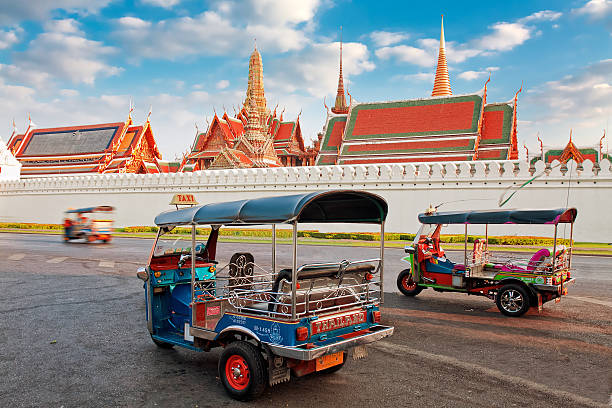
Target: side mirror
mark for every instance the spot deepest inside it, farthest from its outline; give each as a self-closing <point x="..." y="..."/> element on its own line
<point x="409" y="250"/>
<point x="141" y="273"/>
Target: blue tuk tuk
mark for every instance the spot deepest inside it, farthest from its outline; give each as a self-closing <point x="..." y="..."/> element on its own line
<point x="271" y="323"/>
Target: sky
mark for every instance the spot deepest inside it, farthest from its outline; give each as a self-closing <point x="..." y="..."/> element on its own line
<point x="78" y="62"/>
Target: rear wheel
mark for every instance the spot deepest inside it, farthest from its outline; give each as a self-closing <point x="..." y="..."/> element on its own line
<point x="406" y="285"/>
<point x="512" y="300"/>
<point x="242" y="370"/>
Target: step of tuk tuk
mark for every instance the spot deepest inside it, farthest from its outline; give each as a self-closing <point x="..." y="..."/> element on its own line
<point x="176" y="339"/>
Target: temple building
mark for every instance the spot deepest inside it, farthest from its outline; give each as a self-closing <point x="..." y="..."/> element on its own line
<point x="442" y="127"/>
<point x="119" y="147"/>
<point x="9" y="166"/>
<point x="254" y="137"/>
<point x="594" y="153"/>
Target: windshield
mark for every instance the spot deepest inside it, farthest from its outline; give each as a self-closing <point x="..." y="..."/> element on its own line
<point x="178" y="241"/>
<point x="425" y="230"/>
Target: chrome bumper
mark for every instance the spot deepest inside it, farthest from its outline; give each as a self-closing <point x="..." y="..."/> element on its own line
<point x="376" y="333"/>
<point x="553" y="288"/>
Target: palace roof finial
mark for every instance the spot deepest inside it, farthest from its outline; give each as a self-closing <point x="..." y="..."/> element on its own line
<point x="571" y="152"/>
<point x="442" y="82"/>
<point x="340" y="105"/>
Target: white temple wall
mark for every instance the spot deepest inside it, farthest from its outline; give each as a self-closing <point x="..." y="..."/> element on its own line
<point x="407" y="188"/>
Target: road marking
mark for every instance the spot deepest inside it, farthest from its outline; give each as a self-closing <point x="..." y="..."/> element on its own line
<point x="57" y="260"/>
<point x="107" y="264"/>
<point x="470" y="367"/>
<point x="16" y="257"/>
<point x="592" y="300"/>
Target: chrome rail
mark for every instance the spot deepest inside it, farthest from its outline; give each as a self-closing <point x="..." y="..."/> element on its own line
<point x="253" y="291"/>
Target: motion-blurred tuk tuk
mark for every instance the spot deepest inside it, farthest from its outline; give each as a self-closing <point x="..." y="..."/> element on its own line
<point x="98" y="226"/>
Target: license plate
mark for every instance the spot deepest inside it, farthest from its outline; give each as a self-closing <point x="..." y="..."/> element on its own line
<point x="329" y="360"/>
<point x="338" y="322"/>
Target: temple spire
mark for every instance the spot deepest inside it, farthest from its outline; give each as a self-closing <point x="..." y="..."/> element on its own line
<point x="442" y="82"/>
<point x="255" y="88"/>
<point x="340" y="105"/>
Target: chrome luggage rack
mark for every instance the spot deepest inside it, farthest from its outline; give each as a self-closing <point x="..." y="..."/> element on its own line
<point x="245" y="287"/>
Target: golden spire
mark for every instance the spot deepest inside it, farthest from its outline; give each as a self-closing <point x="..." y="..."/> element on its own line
<point x="340" y="106"/>
<point x="442" y="82"/>
<point x="255" y="89"/>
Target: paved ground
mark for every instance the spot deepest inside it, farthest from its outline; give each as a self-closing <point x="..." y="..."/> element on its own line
<point x="72" y="334"/>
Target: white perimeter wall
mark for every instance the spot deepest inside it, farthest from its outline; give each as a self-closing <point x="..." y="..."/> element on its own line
<point x="408" y="189"/>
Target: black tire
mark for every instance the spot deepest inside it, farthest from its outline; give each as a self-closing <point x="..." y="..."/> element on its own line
<point x="162" y="344"/>
<point x="513" y="300"/>
<point x="406" y="285"/>
<point x="335" y="368"/>
<point x="243" y="359"/>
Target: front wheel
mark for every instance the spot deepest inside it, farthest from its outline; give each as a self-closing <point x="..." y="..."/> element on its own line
<point x="242" y="371"/>
<point x="512" y="300"/>
<point x="406" y="285"/>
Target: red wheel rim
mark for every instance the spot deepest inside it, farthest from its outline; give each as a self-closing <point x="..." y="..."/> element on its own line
<point x="237" y="372"/>
<point x="408" y="284"/>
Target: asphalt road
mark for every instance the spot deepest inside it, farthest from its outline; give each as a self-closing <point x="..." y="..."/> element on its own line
<point x="72" y="334"/>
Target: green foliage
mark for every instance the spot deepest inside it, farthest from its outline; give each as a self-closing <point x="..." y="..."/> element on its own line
<point x="31" y="226"/>
<point x="286" y="234"/>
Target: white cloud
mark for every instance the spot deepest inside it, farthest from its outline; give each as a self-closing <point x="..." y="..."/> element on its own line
<point x="66" y="26"/>
<point x="9" y="38"/>
<point x="33" y="77"/>
<point x="279" y="38"/>
<point x="207" y="33"/>
<point x="13" y="12"/>
<point x="544" y="15"/>
<point x="386" y="38"/>
<point x="315" y="69"/>
<point x="161" y="3"/>
<point x="222" y="84"/>
<point x="595" y="8"/>
<point x="281" y="11"/>
<point x="503" y="36"/>
<point x="227" y="28"/>
<point x="580" y="101"/>
<point x="69" y="92"/>
<point x="128" y="23"/>
<point x="407" y="53"/>
<point x="61" y="53"/>
<point x="472" y="75"/>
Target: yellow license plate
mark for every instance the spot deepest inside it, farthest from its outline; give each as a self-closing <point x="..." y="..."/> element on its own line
<point x="329" y="360"/>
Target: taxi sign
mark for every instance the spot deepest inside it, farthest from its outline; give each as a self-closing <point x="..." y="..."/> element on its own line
<point x="183" y="199"/>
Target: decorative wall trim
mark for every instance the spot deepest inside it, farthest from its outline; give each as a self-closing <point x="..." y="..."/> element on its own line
<point x="409" y="189"/>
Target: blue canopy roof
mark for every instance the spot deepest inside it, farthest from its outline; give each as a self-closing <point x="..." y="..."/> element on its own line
<point x="347" y="206"/>
<point x="552" y="216"/>
<point x="91" y="209"/>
